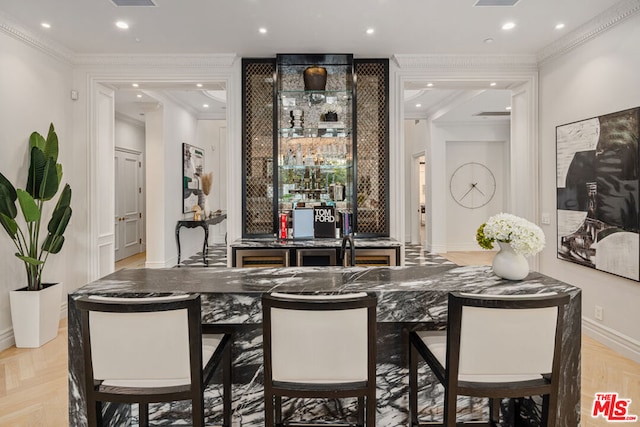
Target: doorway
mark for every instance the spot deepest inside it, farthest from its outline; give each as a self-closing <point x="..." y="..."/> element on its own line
<point x="129" y="203"/>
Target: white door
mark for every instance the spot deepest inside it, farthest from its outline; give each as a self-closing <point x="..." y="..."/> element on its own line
<point x="128" y="218"/>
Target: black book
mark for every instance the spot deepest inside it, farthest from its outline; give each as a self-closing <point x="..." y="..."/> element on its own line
<point x="324" y="221"/>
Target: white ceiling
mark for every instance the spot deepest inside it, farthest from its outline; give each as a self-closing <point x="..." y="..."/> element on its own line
<point x="310" y="26"/>
<point x="328" y="26"/>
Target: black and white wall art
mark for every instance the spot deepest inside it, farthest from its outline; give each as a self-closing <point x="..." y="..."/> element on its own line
<point x="192" y="170"/>
<point x="597" y="193"/>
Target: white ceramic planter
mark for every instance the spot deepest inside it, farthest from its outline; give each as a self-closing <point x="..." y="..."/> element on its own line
<point x="35" y="315"/>
<point x="510" y="265"/>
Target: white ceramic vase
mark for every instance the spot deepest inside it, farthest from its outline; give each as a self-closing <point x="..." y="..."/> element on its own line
<point x="509" y="264"/>
<point x="35" y="315"/>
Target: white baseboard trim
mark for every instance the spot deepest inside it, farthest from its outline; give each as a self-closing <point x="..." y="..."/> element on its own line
<point x="435" y="249"/>
<point x="150" y="264"/>
<point x="8" y="340"/>
<point x="620" y="343"/>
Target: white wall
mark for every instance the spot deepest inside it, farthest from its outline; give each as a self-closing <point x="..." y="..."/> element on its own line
<point x="35" y="91"/>
<point x="211" y="135"/>
<point x="415" y="138"/>
<point x="129" y="134"/>
<point x="448" y="224"/>
<point x="486" y="144"/>
<point x="167" y="129"/>
<point x="155" y="200"/>
<point x="598" y="77"/>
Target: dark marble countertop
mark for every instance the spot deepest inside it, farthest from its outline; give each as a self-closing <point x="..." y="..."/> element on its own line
<point x="405" y="294"/>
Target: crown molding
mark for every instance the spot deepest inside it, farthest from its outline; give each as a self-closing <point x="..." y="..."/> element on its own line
<point x="608" y="19"/>
<point x="466" y="62"/>
<point x="130" y="120"/>
<point x="222" y="60"/>
<point x="14" y="29"/>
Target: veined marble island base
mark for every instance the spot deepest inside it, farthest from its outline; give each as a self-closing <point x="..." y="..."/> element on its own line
<point x="408" y="298"/>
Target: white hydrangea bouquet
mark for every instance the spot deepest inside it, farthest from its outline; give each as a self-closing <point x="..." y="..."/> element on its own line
<point x="525" y="237"/>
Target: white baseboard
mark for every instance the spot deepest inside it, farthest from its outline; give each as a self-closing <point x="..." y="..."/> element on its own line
<point x="435" y="249"/>
<point x="8" y="340"/>
<point x="620" y="343"/>
<point x="150" y="264"/>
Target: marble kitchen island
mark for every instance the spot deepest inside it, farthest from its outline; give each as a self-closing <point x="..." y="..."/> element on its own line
<point x="408" y="298"/>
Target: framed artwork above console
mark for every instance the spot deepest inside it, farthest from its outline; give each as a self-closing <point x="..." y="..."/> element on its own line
<point x="192" y="170"/>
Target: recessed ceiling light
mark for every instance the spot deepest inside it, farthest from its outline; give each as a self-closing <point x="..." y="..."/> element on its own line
<point x="134" y="84"/>
<point x="205" y="105"/>
<point x="429" y="84"/>
<point x="418" y="105"/>
<point x="492" y="84"/>
<point x="45" y="25"/>
<point x="262" y="30"/>
<point x="559" y="26"/>
<point x="370" y="31"/>
<point x="199" y="84"/>
<point x="122" y="25"/>
<point x="488" y="40"/>
<point x="509" y="26"/>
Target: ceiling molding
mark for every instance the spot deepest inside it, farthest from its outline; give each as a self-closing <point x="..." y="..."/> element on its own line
<point x="603" y="22"/>
<point x="14" y="29"/>
<point x="128" y="119"/>
<point x="466" y="62"/>
<point x="222" y="60"/>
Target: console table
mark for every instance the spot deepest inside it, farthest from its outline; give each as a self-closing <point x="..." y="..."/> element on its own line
<point x="408" y="298"/>
<point x="216" y="218"/>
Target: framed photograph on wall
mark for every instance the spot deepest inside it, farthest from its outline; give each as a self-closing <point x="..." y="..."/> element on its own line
<point x="598" y="193"/>
<point x="192" y="170"/>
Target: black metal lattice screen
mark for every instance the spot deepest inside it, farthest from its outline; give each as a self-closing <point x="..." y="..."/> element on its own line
<point x="372" y="147"/>
<point x="258" y="208"/>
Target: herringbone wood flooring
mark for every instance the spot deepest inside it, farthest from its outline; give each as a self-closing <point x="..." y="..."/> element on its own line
<point x="34" y="391"/>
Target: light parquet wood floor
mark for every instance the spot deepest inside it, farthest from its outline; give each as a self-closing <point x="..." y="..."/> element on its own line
<point x="34" y="390"/>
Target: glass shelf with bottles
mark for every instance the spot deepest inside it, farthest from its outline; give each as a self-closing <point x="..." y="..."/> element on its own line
<point x="328" y="116"/>
<point x="312" y="171"/>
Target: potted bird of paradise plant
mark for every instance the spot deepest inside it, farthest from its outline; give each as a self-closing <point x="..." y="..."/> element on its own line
<point x="35" y="308"/>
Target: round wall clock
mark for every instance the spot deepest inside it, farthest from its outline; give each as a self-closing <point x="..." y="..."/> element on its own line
<point x="472" y="185"/>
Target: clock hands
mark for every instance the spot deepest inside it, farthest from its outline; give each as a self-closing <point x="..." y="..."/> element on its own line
<point x="468" y="191"/>
<point x="474" y="185"/>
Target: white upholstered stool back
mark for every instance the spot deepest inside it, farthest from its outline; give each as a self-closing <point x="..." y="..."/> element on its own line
<point x="319" y="346"/>
<point x="506" y="344"/>
<point x="150" y="348"/>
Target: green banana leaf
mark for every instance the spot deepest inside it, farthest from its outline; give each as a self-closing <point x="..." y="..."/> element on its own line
<point x="8" y="200"/>
<point x="43" y="181"/>
<point x="28" y="206"/>
<point x="29" y="260"/>
<point x="9" y="224"/>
